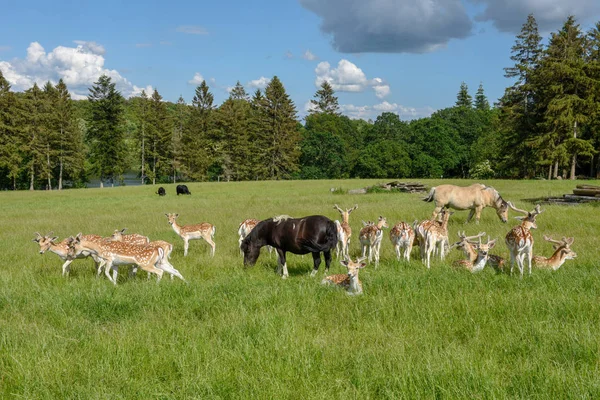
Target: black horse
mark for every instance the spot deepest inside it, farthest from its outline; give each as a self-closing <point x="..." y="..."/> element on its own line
<point x="314" y="234"/>
<point x="182" y="189"/>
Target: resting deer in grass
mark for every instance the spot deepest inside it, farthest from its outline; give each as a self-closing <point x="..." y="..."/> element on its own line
<point x="481" y="258"/>
<point x="348" y="281"/>
<point x="132" y="238"/>
<point x="344" y="231"/>
<point x="436" y="236"/>
<point x="561" y="254"/>
<point x="61" y="249"/>
<point x="204" y="231"/>
<point x="467" y="246"/>
<point x="402" y="236"/>
<point x="519" y="239"/>
<point x="370" y="238"/>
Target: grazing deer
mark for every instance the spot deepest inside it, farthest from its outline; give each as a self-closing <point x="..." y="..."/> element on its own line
<point x="421" y="229"/>
<point x="348" y="281"/>
<point x="204" y="231"/>
<point x="61" y="249"/>
<point x="561" y="254"/>
<point x="481" y="256"/>
<point x="475" y="197"/>
<point x="370" y="238"/>
<point x="402" y="236"/>
<point x="344" y="231"/>
<point x="436" y="236"/>
<point x="132" y="238"/>
<point x="519" y="239"/>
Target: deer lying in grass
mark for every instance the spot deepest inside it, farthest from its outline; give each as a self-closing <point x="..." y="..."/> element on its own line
<point x="204" y="231"/>
<point x="519" y="239"/>
<point x="561" y="254"/>
<point x="132" y="238"/>
<point x="370" y="238"/>
<point x="436" y="236"/>
<point x="481" y="256"/>
<point x="402" y="236"/>
<point x="469" y="248"/>
<point x="348" y="281"/>
<point x="61" y="249"/>
<point x="344" y="231"/>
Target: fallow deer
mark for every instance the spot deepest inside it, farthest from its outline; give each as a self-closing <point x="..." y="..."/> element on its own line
<point x="467" y="246"/>
<point x="519" y="239"/>
<point x="561" y="254"/>
<point x="481" y="257"/>
<point x="348" y="281"/>
<point x="370" y="238"/>
<point x="132" y="238"/>
<point x="344" y="231"/>
<point x="61" y="249"/>
<point x="421" y="228"/>
<point x="204" y="231"/>
<point x="167" y="248"/>
<point x="436" y="236"/>
<point x="402" y="236"/>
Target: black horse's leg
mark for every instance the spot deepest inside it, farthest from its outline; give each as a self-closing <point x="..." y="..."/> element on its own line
<point x="327" y="255"/>
<point x="317" y="262"/>
<point x="281" y="264"/>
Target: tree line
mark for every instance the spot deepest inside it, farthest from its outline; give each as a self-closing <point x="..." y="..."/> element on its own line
<point x="545" y="125"/>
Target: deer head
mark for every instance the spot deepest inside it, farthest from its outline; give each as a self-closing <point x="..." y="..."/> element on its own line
<point x="353" y="266"/>
<point x="382" y="222"/>
<point x="171" y="218"/>
<point x="564" y="246"/>
<point x="464" y="240"/>
<point x="483" y="249"/>
<point x="528" y="219"/>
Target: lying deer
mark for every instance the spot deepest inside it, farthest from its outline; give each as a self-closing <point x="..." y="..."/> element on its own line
<point x="561" y="254"/>
<point x="370" y="238"/>
<point x="469" y="248"/>
<point x="132" y="238"/>
<point x="402" y="236"/>
<point x="481" y="256"/>
<point x="348" y="281"/>
<point x="344" y="231"/>
<point x="61" y="249"/>
<point x="204" y="231"/>
<point x="519" y="239"/>
<point x="436" y="236"/>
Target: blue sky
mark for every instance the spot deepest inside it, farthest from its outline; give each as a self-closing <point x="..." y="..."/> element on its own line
<point x="404" y="56"/>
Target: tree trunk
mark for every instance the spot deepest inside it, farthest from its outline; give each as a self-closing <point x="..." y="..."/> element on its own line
<point x="48" y="164"/>
<point x="555" y="175"/>
<point x="60" y="174"/>
<point x="143" y="156"/>
<point x="101" y="184"/>
<point x="32" y="174"/>
<point x="550" y="171"/>
<point x="574" y="159"/>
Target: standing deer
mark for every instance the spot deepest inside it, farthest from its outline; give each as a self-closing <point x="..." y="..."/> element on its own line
<point x="348" y="281"/>
<point x="61" y="249"/>
<point x="436" y="236"/>
<point x="370" y="238"/>
<point x="402" y="236"/>
<point x="421" y="229"/>
<point x="204" y="231"/>
<point x="132" y="238"/>
<point x="519" y="239"/>
<point x="344" y="231"/>
<point x="481" y="256"/>
<point x="561" y="254"/>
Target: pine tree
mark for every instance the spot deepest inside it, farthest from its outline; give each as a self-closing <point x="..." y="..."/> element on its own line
<point x="325" y="101"/>
<point x="11" y="142"/>
<point x="105" y="135"/>
<point x="526" y="53"/>
<point x="463" y="98"/>
<point x="481" y="101"/>
<point x="160" y="136"/>
<point x="51" y="128"/>
<point x="176" y="142"/>
<point x="70" y="144"/>
<point x="593" y="72"/>
<point x="142" y="106"/>
<point x="34" y="148"/>
<point x="198" y="139"/>
<point x="238" y="92"/>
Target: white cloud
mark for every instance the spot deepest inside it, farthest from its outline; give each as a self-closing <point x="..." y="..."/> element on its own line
<point x="308" y="107"/>
<point x="138" y="90"/>
<point x="79" y="67"/>
<point x="348" y="77"/>
<point x="308" y="55"/>
<point x="197" y="79"/>
<point x="372" y="112"/>
<point x="259" y="83"/>
<point x="192" y="29"/>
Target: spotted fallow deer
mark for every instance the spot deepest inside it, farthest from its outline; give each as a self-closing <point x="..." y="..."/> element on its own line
<point x="370" y="238"/>
<point x="561" y="254"/>
<point x="436" y="236"/>
<point x="344" y="231"/>
<point x="421" y="229"/>
<point x="519" y="239"/>
<point x="402" y="236"/>
<point x="132" y="238"/>
<point x="61" y="249"/>
<point x="203" y="230"/>
<point x="482" y="254"/>
<point x="167" y="248"/>
<point x="348" y="281"/>
<point x="467" y="246"/>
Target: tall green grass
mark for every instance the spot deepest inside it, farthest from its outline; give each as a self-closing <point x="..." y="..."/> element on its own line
<point x="246" y="333"/>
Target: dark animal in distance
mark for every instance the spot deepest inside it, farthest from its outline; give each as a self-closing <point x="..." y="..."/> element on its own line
<point x="161" y="191"/>
<point x="182" y="189"/>
<point x="315" y="234"/>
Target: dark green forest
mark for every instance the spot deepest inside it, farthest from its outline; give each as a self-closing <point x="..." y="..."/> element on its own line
<point x="546" y="125"/>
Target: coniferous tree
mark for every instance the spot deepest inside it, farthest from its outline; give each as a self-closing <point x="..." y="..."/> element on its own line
<point x="463" y="98"/>
<point x="325" y="101"/>
<point x="51" y="128"/>
<point x="176" y="142"/>
<point x="11" y="140"/>
<point x="70" y="144"/>
<point x="142" y="111"/>
<point x="160" y="136"/>
<point x="481" y="101"/>
<point x="105" y="134"/>
<point x="197" y="144"/>
<point x="593" y="72"/>
<point x="238" y="92"/>
<point x="33" y="146"/>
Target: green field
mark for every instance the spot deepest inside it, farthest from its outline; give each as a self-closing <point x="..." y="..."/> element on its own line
<point x="246" y="333"/>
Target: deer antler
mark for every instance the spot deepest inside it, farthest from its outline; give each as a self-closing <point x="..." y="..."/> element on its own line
<point x="558" y="242"/>
<point x="353" y="208"/>
<point x="537" y="210"/>
<point x="338" y="208"/>
<point x="568" y="241"/>
<point x="512" y="206"/>
<point x="463" y="237"/>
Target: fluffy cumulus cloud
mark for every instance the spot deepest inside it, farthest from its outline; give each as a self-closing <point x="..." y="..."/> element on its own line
<point x="197" y="79"/>
<point x="391" y="26"/>
<point x="308" y="55"/>
<point x="259" y="83"/>
<point x="79" y="67"/>
<point x="371" y="112"/>
<point x="348" y="77"/>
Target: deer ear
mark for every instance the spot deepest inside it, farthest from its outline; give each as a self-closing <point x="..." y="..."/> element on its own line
<point x="344" y="262"/>
<point x="176" y="215"/>
<point x="492" y="244"/>
<point x="123" y="230"/>
<point x="166" y="215"/>
<point x="54" y="238"/>
<point x="362" y="265"/>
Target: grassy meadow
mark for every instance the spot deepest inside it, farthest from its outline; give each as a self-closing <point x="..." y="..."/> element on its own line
<point x="245" y="333"/>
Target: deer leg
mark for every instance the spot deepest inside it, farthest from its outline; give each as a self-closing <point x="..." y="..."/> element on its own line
<point x="397" y="250"/>
<point x="529" y="254"/>
<point x="65" y="267"/>
<point x="186" y="245"/>
<point x="152" y="269"/>
<point x="100" y="266"/>
<point x="316" y="262"/>
<point x="107" y="269"/>
<point x="115" y="273"/>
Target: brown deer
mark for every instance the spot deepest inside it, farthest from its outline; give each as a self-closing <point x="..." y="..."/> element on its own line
<point x="344" y="231"/>
<point x="519" y="239"/>
<point x="469" y="248"/>
<point x="204" y="231"/>
<point x="481" y="258"/>
<point x="348" y="281"/>
<point x="370" y="238"/>
<point x="436" y="236"/>
<point x="561" y="254"/>
<point x="402" y="236"/>
<point x="421" y="229"/>
<point x="132" y="238"/>
<point x="61" y="249"/>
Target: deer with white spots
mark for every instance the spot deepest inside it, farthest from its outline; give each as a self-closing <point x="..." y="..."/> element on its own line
<point x="436" y="236"/>
<point x="203" y="230"/>
<point x="481" y="258"/>
<point x="132" y="238"/>
<point x="561" y="254"/>
<point x="348" y="281"/>
<point x="370" y="239"/>
<point x="344" y="231"/>
<point x="61" y="249"/>
<point x="402" y="236"/>
<point x="519" y="239"/>
<point x="166" y="246"/>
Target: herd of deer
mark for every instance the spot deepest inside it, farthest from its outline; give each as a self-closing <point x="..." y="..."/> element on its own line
<point x="430" y="235"/>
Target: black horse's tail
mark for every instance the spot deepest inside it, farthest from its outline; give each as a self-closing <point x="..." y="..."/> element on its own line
<point x="331" y="239"/>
